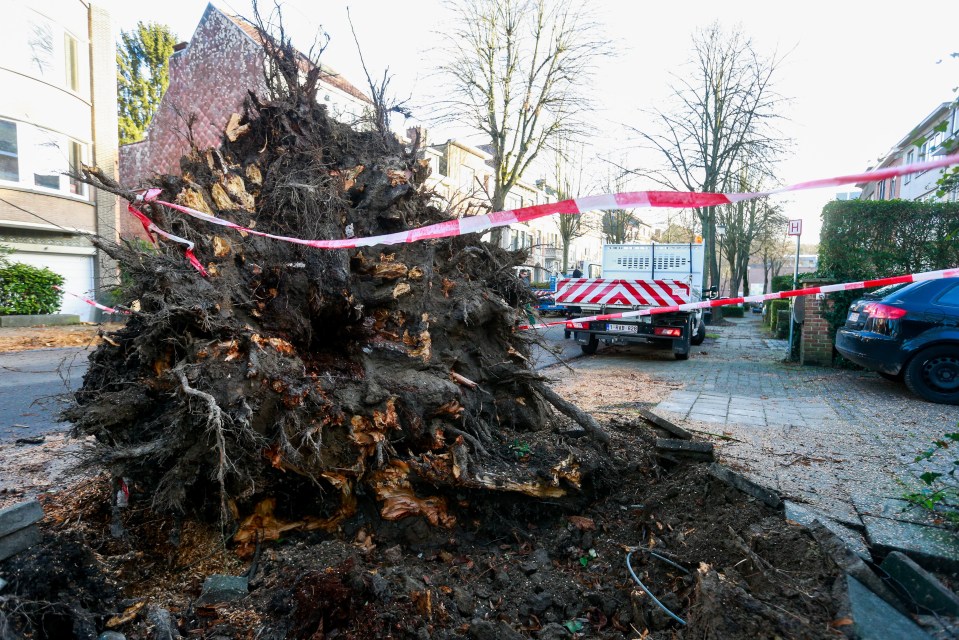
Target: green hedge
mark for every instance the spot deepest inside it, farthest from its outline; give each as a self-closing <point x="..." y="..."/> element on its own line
<point x="781" y="283"/>
<point x="733" y="311"/>
<point x="27" y="290"/>
<point x="772" y="309"/>
<point x="865" y="239"/>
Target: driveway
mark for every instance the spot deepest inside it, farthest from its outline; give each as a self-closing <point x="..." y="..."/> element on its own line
<point x="839" y="441"/>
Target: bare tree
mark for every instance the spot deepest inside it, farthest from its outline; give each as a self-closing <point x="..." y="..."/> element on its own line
<point x="724" y="112"/>
<point x="746" y="222"/>
<point x="569" y="170"/>
<point x="771" y="247"/>
<point x="518" y="71"/>
<point x="618" y="225"/>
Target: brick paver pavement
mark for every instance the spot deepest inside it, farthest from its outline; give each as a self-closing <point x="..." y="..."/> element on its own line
<point x="841" y="441"/>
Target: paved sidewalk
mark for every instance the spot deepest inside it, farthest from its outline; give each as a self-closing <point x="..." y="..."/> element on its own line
<point x="839" y="441"/>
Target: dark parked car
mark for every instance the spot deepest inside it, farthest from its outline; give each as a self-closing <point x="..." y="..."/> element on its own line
<point x="909" y="333"/>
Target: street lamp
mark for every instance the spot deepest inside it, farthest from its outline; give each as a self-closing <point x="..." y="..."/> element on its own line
<point x="720" y="233"/>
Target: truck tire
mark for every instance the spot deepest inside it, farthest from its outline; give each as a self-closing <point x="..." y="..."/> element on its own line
<point x="590" y="347"/>
<point x="700" y="334"/>
<point x="683" y="352"/>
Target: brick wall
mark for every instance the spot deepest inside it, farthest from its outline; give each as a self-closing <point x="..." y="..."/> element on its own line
<point x="209" y="80"/>
<point x="816" y="345"/>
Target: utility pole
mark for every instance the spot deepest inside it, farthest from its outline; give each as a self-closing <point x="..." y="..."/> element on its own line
<point x="795" y="229"/>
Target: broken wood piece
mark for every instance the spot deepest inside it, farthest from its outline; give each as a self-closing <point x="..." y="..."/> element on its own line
<point x="685" y="449"/>
<point x="570" y="410"/>
<point x="664" y="424"/>
<point x="463" y="380"/>
<point x="235" y="130"/>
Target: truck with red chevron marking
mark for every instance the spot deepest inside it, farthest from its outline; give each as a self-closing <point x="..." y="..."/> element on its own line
<point x="639" y="276"/>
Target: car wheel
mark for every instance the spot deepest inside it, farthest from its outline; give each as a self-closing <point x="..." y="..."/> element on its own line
<point x="933" y="374"/>
<point x="590" y="347"/>
<point x="892" y="377"/>
<point x="700" y="334"/>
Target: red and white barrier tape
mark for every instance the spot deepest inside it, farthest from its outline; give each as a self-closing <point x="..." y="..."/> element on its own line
<point x="705" y="304"/>
<point x="478" y="224"/>
<point x="151" y="228"/>
<point x="92" y="303"/>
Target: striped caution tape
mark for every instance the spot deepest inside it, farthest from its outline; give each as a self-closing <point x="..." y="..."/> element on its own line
<point x="705" y="304"/>
<point x="151" y="228"/>
<point x="92" y="303"/>
<point x="482" y="223"/>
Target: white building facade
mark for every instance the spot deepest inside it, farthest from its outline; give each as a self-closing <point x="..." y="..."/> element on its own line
<point x="57" y="110"/>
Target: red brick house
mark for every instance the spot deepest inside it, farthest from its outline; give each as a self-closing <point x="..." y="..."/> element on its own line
<point x="209" y="79"/>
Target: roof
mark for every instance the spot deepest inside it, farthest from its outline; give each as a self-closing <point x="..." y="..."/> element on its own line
<point x="329" y="76"/>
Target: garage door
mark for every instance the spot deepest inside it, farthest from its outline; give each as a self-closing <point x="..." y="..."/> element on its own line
<point x="77" y="272"/>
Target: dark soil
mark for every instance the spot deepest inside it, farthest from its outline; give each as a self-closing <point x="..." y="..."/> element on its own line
<point x="512" y="567"/>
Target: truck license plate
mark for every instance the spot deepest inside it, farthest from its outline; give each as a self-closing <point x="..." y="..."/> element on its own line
<point x="628" y="328"/>
<point x="854" y="316"/>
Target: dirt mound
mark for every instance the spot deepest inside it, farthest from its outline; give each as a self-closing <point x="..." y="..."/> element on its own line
<point x="512" y="567"/>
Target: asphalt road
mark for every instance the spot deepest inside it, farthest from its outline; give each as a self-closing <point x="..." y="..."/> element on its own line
<point x="32" y="388"/>
<point x="558" y="349"/>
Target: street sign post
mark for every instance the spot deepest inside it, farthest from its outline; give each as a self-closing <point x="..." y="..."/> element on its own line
<point x="795" y="229"/>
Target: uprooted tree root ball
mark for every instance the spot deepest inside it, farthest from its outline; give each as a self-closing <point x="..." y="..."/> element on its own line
<point x="299" y="380"/>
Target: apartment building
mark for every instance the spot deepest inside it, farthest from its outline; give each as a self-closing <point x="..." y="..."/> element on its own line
<point x="933" y="136"/>
<point x="462" y="178"/>
<point x="58" y="109"/>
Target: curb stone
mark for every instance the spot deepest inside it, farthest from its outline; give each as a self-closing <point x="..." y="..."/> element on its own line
<point x="874" y="619"/>
<point x="924" y="588"/>
<point x="747" y="486"/>
<point x="19" y="516"/>
<point x="806" y="516"/>
<point x="853" y="565"/>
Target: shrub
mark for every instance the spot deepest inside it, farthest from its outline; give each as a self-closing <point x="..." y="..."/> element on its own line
<point x="772" y="309"/>
<point x="27" y="290"/>
<point x="782" y="323"/>
<point x="733" y="311"/>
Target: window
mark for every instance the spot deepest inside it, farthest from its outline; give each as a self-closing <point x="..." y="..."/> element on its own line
<point x="467" y="179"/>
<point x="71" y="62"/>
<point x="9" y="160"/>
<point x="923" y="148"/>
<point x="49" y="156"/>
<point x="76" y="159"/>
<point x="910" y="158"/>
<point x="881" y="192"/>
<point x="35" y="158"/>
<point x="950" y="297"/>
<point x="40" y="46"/>
<point x="513" y="202"/>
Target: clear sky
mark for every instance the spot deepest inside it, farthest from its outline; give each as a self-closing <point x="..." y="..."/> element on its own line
<point x="859" y="74"/>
